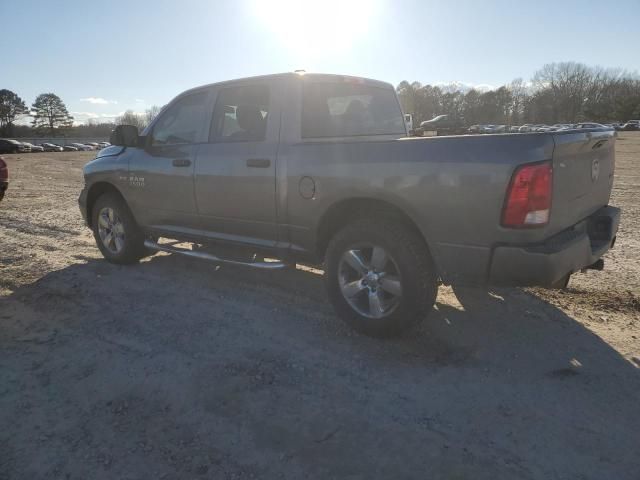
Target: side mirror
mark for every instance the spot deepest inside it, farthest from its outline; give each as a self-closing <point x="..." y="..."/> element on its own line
<point x="124" y="136"/>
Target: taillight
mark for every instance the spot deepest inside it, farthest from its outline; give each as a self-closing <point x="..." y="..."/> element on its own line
<point x="4" y="171"/>
<point x="528" y="201"/>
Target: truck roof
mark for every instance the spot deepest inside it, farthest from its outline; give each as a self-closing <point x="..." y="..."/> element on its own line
<point x="299" y="74"/>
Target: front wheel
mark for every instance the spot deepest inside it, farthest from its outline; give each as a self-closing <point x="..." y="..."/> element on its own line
<point x="115" y="230"/>
<point x="380" y="277"/>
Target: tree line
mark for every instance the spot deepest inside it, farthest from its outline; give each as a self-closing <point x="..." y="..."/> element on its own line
<point x="566" y="92"/>
<point x="50" y="116"/>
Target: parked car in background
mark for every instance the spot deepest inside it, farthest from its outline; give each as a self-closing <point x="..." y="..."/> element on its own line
<point x="589" y="125"/>
<point x="4" y="177"/>
<point x="103" y="144"/>
<point x="630" y="127"/>
<point x="487" y="128"/>
<point x="82" y="147"/>
<point x="93" y="144"/>
<point x="33" y="148"/>
<point x="70" y="148"/>
<point x="12" y="146"/>
<point x="51" y="147"/>
<point x="442" y="125"/>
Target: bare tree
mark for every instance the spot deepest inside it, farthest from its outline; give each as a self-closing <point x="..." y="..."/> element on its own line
<point x="140" y="120"/>
<point x="519" y="95"/>
<point x="129" y="117"/>
<point x="151" y="113"/>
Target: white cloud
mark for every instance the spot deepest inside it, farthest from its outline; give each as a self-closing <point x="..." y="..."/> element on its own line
<point x="85" y="115"/>
<point x="95" y="114"/>
<point x="98" y="101"/>
<point x="82" y="117"/>
<point x="484" y="87"/>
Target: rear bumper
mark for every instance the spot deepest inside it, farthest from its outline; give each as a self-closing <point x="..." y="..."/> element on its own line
<point x="545" y="263"/>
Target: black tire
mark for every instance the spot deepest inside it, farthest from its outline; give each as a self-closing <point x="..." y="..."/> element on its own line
<point x="133" y="239"/>
<point x="411" y="259"/>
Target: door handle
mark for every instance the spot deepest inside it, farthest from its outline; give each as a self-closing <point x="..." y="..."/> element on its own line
<point x="258" y="163"/>
<point x="181" y="162"/>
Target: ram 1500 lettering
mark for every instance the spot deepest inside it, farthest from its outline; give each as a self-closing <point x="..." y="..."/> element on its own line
<point x="319" y="169"/>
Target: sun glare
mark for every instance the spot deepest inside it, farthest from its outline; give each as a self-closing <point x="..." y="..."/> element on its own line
<point x="312" y="28"/>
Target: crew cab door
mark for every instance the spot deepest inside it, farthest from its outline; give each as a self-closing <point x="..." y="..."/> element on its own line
<point x="235" y="172"/>
<point x="161" y="174"/>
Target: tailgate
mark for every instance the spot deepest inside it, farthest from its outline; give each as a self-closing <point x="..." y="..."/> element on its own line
<point x="583" y="164"/>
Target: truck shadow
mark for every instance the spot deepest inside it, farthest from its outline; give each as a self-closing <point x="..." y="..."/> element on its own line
<point x="467" y="325"/>
<point x="503" y="379"/>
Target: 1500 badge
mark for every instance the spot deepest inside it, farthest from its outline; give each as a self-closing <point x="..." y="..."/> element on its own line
<point x="133" y="180"/>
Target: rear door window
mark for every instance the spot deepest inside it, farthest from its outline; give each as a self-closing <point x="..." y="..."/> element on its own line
<point x="349" y="110"/>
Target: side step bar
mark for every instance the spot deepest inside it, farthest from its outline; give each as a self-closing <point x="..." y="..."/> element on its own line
<point x="212" y="258"/>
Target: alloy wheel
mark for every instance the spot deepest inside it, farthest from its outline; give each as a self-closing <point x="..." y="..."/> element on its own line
<point x="369" y="280"/>
<point x="111" y="230"/>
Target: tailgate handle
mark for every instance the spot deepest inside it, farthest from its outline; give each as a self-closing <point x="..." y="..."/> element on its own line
<point x="600" y="143"/>
<point x="258" y="162"/>
<point x="181" y="162"/>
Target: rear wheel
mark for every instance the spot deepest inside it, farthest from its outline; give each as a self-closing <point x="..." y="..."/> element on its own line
<point x="115" y="230"/>
<point x="380" y="277"/>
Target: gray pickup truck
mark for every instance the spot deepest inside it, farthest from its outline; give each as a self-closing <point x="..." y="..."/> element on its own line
<point x="319" y="169"/>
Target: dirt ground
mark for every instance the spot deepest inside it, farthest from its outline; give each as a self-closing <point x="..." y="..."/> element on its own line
<point x="174" y="369"/>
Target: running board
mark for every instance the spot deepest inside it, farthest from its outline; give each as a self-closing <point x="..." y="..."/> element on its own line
<point x="212" y="258"/>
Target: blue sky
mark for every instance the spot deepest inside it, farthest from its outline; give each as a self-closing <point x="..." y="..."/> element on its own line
<point x="104" y="57"/>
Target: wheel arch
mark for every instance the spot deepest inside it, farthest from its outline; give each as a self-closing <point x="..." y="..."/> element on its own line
<point x="343" y="211"/>
<point x="95" y="191"/>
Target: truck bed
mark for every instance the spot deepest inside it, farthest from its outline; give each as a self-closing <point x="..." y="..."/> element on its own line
<point x="454" y="187"/>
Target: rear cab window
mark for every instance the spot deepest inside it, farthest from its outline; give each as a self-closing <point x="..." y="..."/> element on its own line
<point x="349" y="109"/>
